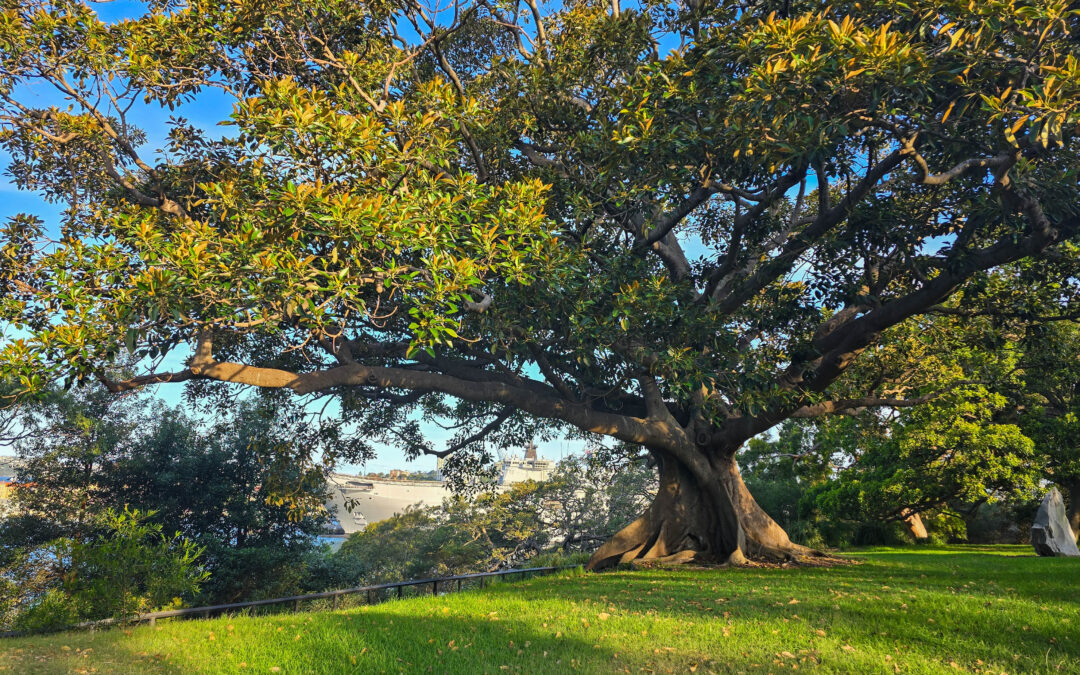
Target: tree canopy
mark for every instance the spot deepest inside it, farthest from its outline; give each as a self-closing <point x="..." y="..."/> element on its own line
<point x="676" y="225"/>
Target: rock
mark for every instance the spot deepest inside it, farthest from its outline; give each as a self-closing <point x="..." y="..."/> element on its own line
<point x="1051" y="534"/>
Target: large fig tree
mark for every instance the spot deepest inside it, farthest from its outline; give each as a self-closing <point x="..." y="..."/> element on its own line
<point x="675" y="225"/>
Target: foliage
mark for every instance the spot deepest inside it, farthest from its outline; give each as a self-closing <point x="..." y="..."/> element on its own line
<point x="1049" y="401"/>
<point x="131" y="567"/>
<point x="779" y="471"/>
<point x="931" y="604"/>
<point x="244" y="489"/>
<point x="944" y="453"/>
<point x="947" y="445"/>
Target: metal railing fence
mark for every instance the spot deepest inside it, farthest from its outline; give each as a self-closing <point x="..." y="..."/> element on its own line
<point x="373" y="596"/>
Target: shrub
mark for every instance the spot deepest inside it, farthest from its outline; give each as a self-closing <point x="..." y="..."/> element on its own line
<point x="131" y="567"/>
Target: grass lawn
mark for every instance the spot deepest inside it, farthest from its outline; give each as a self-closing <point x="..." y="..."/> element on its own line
<point x="911" y="610"/>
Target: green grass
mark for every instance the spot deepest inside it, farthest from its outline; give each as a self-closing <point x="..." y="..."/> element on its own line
<point x="911" y="610"/>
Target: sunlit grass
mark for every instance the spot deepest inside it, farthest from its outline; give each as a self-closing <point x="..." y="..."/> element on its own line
<point x="913" y="610"/>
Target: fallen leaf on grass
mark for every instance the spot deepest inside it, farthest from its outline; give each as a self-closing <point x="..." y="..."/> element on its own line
<point x="848" y="648"/>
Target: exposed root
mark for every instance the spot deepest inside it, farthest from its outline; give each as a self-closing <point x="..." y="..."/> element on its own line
<point x="737" y="559"/>
<point x="696" y="520"/>
<point x="701" y="563"/>
<point x="680" y="558"/>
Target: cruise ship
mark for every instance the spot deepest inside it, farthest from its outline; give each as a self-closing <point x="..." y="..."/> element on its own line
<point x="357" y="501"/>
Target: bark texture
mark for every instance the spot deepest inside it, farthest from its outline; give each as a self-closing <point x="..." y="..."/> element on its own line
<point x="915" y="525"/>
<point x="704" y="514"/>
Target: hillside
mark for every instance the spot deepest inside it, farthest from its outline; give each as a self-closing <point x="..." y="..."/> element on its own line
<point x="914" y="610"/>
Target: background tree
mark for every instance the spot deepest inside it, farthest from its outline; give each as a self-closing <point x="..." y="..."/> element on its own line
<point x="779" y="470"/>
<point x="521" y="218"/>
<point x="587" y="500"/>
<point x="69" y="443"/>
<point x="1028" y="316"/>
<point x="946" y="456"/>
<point x="1049" y="404"/>
<point x="244" y="492"/>
<point x="245" y="489"/>
<point x="948" y="444"/>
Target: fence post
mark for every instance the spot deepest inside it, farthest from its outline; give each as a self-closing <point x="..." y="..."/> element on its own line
<point x="152" y="621"/>
<point x="399" y="590"/>
<point x="482" y="581"/>
<point x="334" y="603"/>
<point x="434" y="588"/>
<point x="459" y="584"/>
<point x="370" y="597"/>
<point x="296" y="605"/>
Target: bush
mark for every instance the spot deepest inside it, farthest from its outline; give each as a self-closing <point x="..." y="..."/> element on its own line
<point x="132" y="567"/>
<point x="54" y="610"/>
<point x="1002" y="523"/>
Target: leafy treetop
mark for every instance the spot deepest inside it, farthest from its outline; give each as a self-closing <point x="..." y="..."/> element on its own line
<point x="540" y="214"/>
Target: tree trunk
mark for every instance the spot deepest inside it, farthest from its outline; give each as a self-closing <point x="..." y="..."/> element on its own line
<point x="915" y="525"/>
<point x="705" y="514"/>
<point x="1074" y="505"/>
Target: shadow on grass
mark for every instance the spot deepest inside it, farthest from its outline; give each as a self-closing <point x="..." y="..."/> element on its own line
<point x="380" y="640"/>
<point x="939" y="612"/>
<point x="908" y="610"/>
<point x="100" y="652"/>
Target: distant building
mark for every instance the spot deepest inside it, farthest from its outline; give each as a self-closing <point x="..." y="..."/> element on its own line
<point x="357" y="501"/>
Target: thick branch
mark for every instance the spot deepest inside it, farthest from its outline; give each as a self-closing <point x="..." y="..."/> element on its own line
<point x="550" y="406"/>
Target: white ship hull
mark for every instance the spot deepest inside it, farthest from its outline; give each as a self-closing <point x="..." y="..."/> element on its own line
<point x="356" y="501"/>
<point x="372" y="500"/>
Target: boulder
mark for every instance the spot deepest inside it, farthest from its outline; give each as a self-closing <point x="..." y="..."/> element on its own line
<point x="1051" y="534"/>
